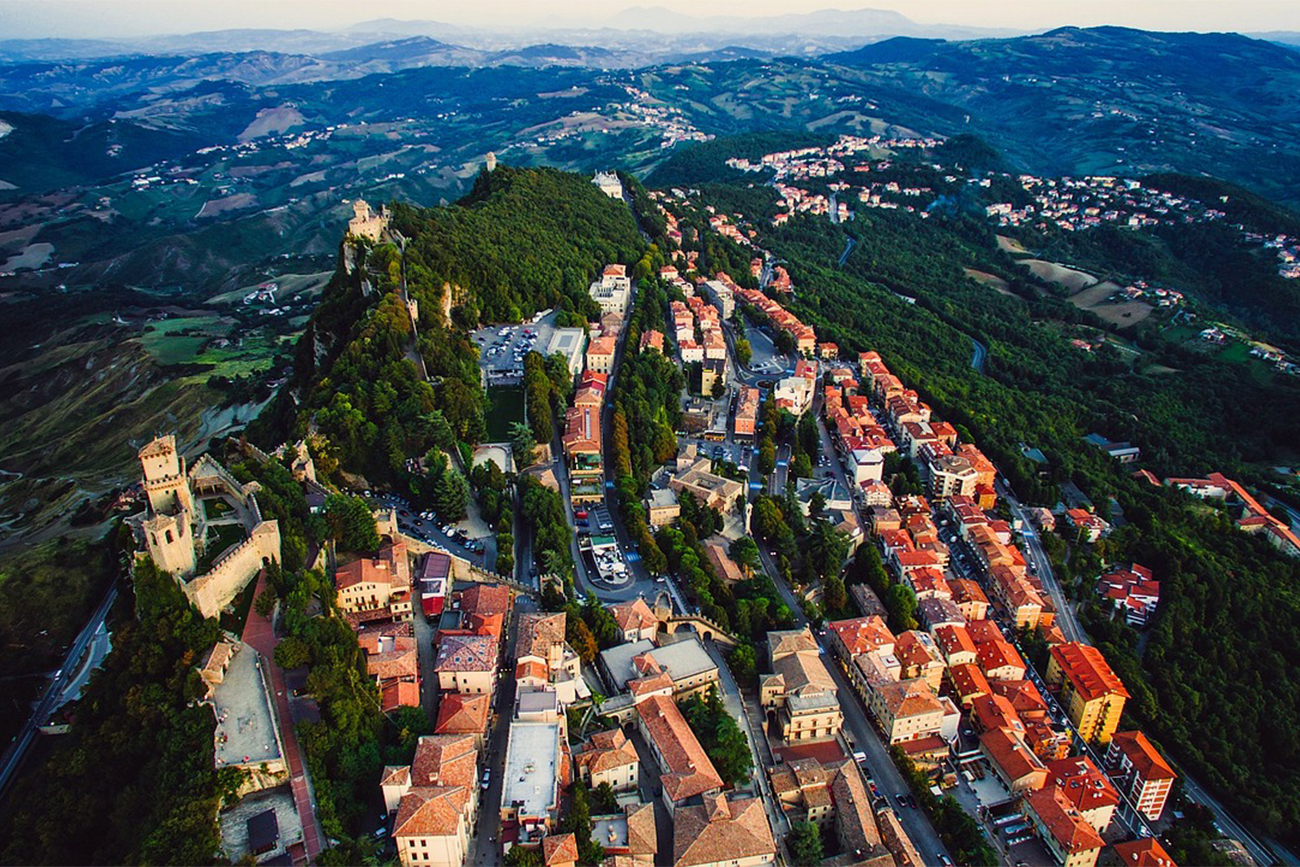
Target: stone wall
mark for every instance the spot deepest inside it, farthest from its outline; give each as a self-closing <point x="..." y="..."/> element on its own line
<point x="214" y="590"/>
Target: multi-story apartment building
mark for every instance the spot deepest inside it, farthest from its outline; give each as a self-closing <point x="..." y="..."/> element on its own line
<point x="436" y="801"/>
<point x="1140" y="772"/>
<point x="1092" y="695"/>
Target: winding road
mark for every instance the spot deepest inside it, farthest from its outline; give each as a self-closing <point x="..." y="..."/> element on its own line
<point x="980" y="354"/>
<point x="1069" y="623"/>
<point x="56" y="693"/>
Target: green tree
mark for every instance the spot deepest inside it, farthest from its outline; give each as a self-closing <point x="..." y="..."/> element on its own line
<point x="743" y="662"/>
<point x="827" y="548"/>
<point x="264" y="604"/>
<point x="451" y="494"/>
<point x="292" y="652"/>
<point x="720" y="735"/>
<point x="834" y="597"/>
<point x="351" y="523"/>
<point x="766" y="520"/>
<point x="519" y="856"/>
<point x="900" y="602"/>
<point x="805" y="843"/>
<point x="744" y="352"/>
<point x="745" y="552"/>
<point x="816" y="505"/>
<point x="523" y="444"/>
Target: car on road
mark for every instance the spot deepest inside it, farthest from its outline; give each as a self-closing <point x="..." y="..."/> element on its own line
<point x="487" y="779"/>
<point x="945" y="860"/>
<point x="901" y="798"/>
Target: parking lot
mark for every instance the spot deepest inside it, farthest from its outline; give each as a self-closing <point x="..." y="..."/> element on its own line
<point x="461" y="538"/>
<point x="502" y="348"/>
<point x="739" y="454"/>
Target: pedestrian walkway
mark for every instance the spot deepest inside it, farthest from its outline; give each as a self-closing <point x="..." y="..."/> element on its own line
<point x="260" y="635"/>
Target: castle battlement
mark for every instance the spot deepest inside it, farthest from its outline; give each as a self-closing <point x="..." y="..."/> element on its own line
<point x="174" y="531"/>
<point x="365" y="223"/>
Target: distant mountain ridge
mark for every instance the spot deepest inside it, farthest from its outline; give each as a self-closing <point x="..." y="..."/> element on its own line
<point x="1114" y="100"/>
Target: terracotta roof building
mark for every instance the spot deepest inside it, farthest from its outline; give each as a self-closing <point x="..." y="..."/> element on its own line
<point x="723" y="833"/>
<point x="1013" y="762"/>
<point x="685" y="766"/>
<point x="800" y="688"/>
<point x="608" y="757"/>
<point x="1143" y="852"/>
<point x="635" y="619"/>
<point x="436" y="801"/>
<point x="860" y="635"/>
<point x="1140" y="772"/>
<point x="464" y="714"/>
<point x="1091" y="693"/>
<point x="466" y="663"/>
<point x="1086" y="788"/>
<point x="1063" y="831"/>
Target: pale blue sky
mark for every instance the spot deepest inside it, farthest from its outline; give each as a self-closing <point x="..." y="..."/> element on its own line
<point x="107" y="18"/>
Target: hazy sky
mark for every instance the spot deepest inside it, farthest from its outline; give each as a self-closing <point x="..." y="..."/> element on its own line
<point x="107" y="18"/>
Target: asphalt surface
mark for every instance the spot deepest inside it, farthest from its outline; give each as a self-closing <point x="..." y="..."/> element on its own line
<point x="485" y="845"/>
<point x="1038" y="558"/>
<point x="979" y="354"/>
<point x="55" y="693"/>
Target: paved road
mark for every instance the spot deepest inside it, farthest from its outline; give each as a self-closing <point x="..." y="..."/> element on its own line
<point x="849" y="243"/>
<point x="55" y="694"/>
<point x="880" y="767"/>
<point x="1066" y="618"/>
<point x="979" y="355"/>
<point x="485" y="847"/>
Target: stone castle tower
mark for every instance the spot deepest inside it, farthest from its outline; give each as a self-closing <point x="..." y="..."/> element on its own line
<point x="164" y="476"/>
<point x="491" y="162"/>
<point x="365" y="223"/>
<point x="167" y="531"/>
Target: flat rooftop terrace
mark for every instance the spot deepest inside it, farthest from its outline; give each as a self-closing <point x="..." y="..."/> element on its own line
<point x="246" y="732"/>
<point x="532" y="756"/>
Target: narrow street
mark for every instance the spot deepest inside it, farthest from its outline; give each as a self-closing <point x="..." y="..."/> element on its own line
<point x="880" y="767"/>
<point x="759" y="749"/>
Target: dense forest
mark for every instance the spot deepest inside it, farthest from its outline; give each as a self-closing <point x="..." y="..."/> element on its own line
<point x="520" y="241"/>
<point x="135" y="773"/>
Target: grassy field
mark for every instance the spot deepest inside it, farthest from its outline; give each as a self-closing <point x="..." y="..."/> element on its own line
<point x="993" y="281"/>
<point x="168" y="345"/>
<point x="1071" y="279"/>
<point x="296" y="286"/>
<point x="507" y="402"/>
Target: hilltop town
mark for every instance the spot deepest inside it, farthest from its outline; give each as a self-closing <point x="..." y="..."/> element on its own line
<point x="696" y="586"/>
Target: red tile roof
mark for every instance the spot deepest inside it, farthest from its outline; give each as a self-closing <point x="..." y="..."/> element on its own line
<point x="1143" y="755"/>
<point x="1145" y="852"/>
<point x="689" y="771"/>
<point x="1071" y="830"/>
<point x="1087" y="671"/>
<point x="463" y="713"/>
